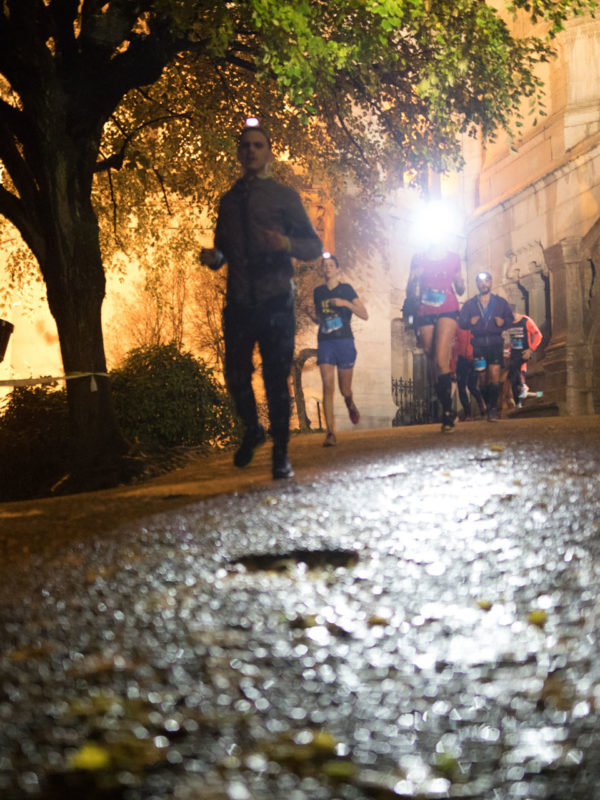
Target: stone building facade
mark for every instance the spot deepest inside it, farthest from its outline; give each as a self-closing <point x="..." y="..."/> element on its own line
<point x="532" y="219"/>
<point x="535" y="223"/>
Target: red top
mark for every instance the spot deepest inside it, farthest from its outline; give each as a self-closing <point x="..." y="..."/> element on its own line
<point x="534" y="334"/>
<point x="436" y="282"/>
<point x="462" y="345"/>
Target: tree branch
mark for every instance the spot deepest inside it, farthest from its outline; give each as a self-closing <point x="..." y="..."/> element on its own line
<point x="105" y="26"/>
<point x="115" y="161"/>
<point x="161" y="182"/>
<point x="17" y="167"/>
<point x="113" y="201"/>
<point x="63" y="13"/>
<point x="340" y="118"/>
<point x="236" y="61"/>
<point x="12" y="208"/>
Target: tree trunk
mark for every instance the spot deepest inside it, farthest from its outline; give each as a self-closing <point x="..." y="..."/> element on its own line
<point x="76" y="284"/>
<point x="299" y="361"/>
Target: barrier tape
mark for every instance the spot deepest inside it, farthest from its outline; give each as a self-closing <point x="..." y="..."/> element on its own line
<point x="49" y="379"/>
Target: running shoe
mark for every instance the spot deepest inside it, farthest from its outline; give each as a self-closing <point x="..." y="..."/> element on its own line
<point x="251" y="440"/>
<point x="330" y="440"/>
<point x="282" y="469"/>
<point x="353" y="413"/>
<point x="447" y="422"/>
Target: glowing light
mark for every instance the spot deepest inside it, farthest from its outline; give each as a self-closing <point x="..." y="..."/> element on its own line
<point x="436" y="222"/>
<point x="326" y="255"/>
<point x="482" y="276"/>
<point x="252" y="122"/>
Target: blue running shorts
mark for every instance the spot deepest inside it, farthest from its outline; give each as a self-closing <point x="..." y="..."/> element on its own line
<point x="339" y="352"/>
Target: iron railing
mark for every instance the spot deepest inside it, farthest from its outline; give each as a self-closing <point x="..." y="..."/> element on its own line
<point x="417" y="403"/>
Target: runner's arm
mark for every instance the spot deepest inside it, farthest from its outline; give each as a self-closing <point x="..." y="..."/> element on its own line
<point x="356" y="306"/>
<point x="534" y="334"/>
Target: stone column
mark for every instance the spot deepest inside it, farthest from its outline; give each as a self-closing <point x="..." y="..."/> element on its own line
<point x="568" y="361"/>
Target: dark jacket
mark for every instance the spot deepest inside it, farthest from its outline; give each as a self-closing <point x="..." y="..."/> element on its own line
<point x="248" y="208"/>
<point x="485" y="330"/>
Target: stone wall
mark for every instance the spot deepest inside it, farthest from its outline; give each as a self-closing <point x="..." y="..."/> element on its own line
<point x="535" y="216"/>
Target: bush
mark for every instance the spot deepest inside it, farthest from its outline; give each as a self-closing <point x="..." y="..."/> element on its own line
<point x="34" y="429"/>
<point x="163" y="399"/>
<point x="166" y="398"/>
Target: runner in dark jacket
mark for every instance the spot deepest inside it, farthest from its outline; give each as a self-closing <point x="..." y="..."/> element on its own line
<point x="261" y="226"/>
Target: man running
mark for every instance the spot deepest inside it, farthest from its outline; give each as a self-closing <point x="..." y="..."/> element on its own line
<point x="486" y="315"/>
<point x="261" y="226"/>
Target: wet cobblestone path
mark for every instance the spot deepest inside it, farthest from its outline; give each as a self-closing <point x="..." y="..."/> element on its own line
<point x="413" y="622"/>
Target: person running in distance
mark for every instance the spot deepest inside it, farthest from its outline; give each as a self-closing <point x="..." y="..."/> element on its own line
<point x="486" y="315"/>
<point x="334" y="303"/>
<point x="524" y="337"/>
<point x="466" y="377"/>
<point x="435" y="279"/>
<point x="261" y="226"/>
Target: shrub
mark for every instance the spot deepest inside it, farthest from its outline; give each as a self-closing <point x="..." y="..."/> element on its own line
<point x="33" y="441"/>
<point x="165" y="398"/>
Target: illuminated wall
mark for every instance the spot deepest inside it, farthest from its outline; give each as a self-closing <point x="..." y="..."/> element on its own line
<point x="535" y="221"/>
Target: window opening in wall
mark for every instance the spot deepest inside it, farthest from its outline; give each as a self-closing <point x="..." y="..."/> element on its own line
<point x="547" y="328"/>
<point x="525" y="296"/>
<point x="593" y="280"/>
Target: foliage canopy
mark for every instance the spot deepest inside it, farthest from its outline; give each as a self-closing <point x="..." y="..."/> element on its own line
<point x="370" y="90"/>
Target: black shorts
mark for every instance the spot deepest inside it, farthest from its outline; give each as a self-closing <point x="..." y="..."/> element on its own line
<point x="485" y="355"/>
<point x="431" y="319"/>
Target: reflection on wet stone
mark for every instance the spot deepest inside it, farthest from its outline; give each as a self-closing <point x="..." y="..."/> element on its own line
<point x="428" y="633"/>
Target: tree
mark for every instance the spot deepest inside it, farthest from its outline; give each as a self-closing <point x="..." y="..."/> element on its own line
<point x="379" y="86"/>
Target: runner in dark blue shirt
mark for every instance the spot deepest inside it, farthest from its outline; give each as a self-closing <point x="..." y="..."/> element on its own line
<point x="334" y="303"/>
<point x="486" y="315"/>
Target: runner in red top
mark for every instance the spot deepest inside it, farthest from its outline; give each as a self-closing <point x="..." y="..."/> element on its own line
<point x="435" y="279"/>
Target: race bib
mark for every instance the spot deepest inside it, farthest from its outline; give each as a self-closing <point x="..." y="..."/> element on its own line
<point x="433" y="297"/>
<point x="331" y="324"/>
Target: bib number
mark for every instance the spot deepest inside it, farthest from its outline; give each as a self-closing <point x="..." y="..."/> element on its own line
<point x="433" y="297"/>
<point x="331" y="324"/>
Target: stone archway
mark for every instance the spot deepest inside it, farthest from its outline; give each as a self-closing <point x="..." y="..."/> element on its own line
<point x="526" y="286"/>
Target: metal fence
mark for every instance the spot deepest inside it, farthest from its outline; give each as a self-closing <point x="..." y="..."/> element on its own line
<point x="417" y="403"/>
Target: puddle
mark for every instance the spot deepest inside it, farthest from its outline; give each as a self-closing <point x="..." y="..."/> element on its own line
<point x="313" y="559"/>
